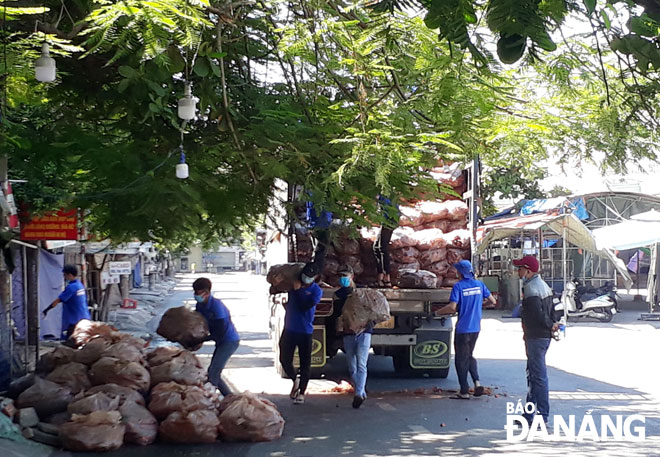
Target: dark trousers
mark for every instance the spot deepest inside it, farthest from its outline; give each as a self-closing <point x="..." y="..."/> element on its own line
<point x="463" y="348"/>
<point x="322" y="242"/>
<point x="537" y="376"/>
<point x="382" y="250"/>
<point x="288" y="343"/>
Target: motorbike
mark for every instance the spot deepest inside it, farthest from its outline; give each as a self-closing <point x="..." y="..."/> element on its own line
<point x="579" y="301"/>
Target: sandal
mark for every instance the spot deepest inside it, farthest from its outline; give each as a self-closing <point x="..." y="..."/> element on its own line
<point x="460" y="396"/>
<point x="377" y="284"/>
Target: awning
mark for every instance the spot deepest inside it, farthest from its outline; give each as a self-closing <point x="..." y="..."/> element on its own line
<point x="576" y="233"/>
<point x="628" y="235"/>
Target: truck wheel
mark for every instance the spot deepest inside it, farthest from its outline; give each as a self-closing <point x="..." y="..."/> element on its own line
<point x="439" y="373"/>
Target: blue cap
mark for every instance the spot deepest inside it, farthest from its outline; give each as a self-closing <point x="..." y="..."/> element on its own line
<point x="464" y="267"/>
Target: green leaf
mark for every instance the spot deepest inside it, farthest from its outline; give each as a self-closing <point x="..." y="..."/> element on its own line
<point x="218" y="55"/>
<point x="606" y="19"/>
<point x="201" y="67"/>
<point x="591" y="5"/>
<point x="127" y="72"/>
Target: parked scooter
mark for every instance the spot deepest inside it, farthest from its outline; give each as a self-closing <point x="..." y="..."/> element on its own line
<point x="601" y="307"/>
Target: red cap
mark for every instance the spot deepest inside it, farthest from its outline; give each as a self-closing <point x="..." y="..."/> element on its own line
<point x="529" y="261"/>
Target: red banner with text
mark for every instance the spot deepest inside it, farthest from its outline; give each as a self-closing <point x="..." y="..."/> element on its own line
<point x="60" y="225"/>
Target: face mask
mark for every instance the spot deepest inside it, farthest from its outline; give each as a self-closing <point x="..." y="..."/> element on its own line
<point x="344" y="281"/>
<point x="306" y="279"/>
<point x="199" y="299"/>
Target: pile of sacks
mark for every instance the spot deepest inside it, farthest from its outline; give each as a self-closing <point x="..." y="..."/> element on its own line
<point x="431" y="237"/>
<point x="111" y="389"/>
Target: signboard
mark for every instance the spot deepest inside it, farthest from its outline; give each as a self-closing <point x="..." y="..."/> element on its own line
<point x="432" y="349"/>
<point x="62" y="225"/>
<point x="107" y="279"/>
<point x="120" y="268"/>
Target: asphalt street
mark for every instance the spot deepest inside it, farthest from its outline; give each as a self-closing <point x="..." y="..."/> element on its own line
<point x="598" y="369"/>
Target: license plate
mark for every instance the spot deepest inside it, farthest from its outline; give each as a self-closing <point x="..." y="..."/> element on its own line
<point x="387" y="324"/>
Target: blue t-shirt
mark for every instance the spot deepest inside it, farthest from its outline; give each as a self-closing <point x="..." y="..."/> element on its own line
<point x="220" y="325"/>
<point x="469" y="295"/>
<point x="74" y="304"/>
<point x="314" y="220"/>
<point x="300" y="309"/>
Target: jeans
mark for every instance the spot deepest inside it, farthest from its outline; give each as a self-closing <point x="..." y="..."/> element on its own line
<point x="220" y="357"/>
<point x="463" y="348"/>
<point x="357" y="353"/>
<point x="288" y="342"/>
<point x="537" y="376"/>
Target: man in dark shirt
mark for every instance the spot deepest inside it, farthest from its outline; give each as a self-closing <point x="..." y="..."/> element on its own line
<point x="298" y="329"/>
<point x="221" y="328"/>
<point x="537" y="323"/>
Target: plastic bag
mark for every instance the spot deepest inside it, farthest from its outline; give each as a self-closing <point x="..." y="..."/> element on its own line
<point x="163" y="354"/>
<point x="124" y="394"/>
<point x="169" y="397"/>
<point x="454" y="255"/>
<point x="282" y="277"/>
<point x="61" y="355"/>
<point x="92" y="351"/>
<point x="46" y="397"/>
<point x="72" y="375"/>
<point x="127" y="351"/>
<point x="248" y="417"/>
<point x="432" y="256"/>
<point x="417" y="280"/>
<point x="429" y="239"/>
<point x="184" y="326"/>
<point x="184" y="368"/>
<point x="127" y="374"/>
<point x="141" y="425"/>
<point x="401" y="238"/>
<point x="98" y="401"/>
<point x="362" y="307"/>
<point x="86" y="330"/>
<point x="200" y="426"/>
<point x="98" y="431"/>
<point x="406" y="254"/>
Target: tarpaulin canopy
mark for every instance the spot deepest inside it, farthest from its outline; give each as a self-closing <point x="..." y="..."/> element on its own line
<point x="628" y="235"/>
<point x="576" y="233"/>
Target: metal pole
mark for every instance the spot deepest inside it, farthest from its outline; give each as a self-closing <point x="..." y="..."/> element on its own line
<point x="38" y="319"/>
<point x="25" y="308"/>
<point x="563" y="258"/>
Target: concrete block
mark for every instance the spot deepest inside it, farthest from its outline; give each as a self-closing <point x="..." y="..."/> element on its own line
<point x="28" y="432"/>
<point x="48" y="428"/>
<point x="27" y="417"/>
<point x="47" y="438"/>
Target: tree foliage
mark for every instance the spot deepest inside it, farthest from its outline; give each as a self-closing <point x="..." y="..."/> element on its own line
<point x="346" y="100"/>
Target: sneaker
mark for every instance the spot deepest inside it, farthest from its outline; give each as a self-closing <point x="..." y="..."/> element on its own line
<point x="357" y="401"/>
<point x="478" y="391"/>
<point x="299" y="400"/>
<point x="461" y="396"/>
<point x="295" y="390"/>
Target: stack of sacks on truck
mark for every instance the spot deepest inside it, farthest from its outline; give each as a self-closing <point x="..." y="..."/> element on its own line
<point x="431" y="237"/>
<point x="111" y="389"/>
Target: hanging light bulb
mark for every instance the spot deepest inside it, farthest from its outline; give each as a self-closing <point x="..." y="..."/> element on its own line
<point x="187" y="104"/>
<point x="44" y="67"/>
<point x="182" y="166"/>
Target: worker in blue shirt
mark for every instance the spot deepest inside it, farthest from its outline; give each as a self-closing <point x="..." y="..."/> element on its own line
<point x="221" y="328"/>
<point x="298" y="329"/>
<point x="319" y="224"/>
<point x="467" y="299"/>
<point x="74" y="301"/>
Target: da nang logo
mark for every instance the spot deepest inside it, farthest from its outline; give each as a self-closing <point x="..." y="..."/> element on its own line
<point x="576" y="428"/>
